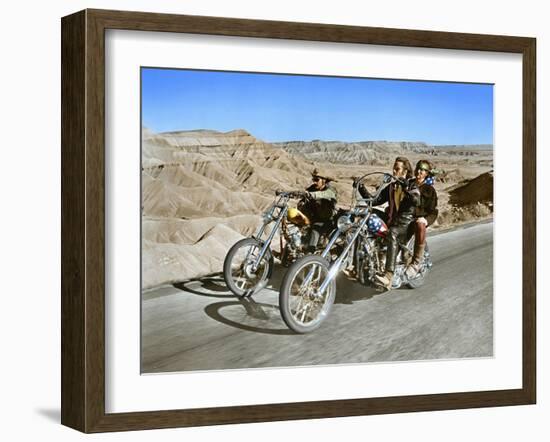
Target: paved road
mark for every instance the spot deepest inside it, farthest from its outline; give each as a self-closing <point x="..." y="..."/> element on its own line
<point x="200" y="325"/>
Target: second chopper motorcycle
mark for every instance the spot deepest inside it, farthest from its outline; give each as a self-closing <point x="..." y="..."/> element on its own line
<point x="249" y="262"/>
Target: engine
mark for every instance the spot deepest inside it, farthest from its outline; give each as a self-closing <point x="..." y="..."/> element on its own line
<point x="294" y="236"/>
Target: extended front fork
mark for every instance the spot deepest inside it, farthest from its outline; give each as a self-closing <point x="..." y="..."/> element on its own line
<point x="335" y="267"/>
<point x="278" y="219"/>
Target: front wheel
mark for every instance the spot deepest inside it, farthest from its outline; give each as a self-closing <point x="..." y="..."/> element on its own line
<point x="302" y="307"/>
<point x="238" y="268"/>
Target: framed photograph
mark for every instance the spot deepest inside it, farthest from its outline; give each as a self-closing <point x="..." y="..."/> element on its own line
<point x="266" y="221"/>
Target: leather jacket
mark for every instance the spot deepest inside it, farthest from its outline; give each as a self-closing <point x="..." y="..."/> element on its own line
<point x="407" y="208"/>
<point x="428" y="204"/>
<point x="321" y="206"/>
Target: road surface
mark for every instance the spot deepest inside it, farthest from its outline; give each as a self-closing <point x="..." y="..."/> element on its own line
<point x="200" y="325"/>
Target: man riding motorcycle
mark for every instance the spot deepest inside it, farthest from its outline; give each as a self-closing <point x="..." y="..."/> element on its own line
<point x="392" y="194"/>
<point x="402" y="196"/>
<point x="317" y="207"/>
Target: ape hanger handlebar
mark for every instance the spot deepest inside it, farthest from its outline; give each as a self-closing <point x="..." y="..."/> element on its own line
<point x="387" y="179"/>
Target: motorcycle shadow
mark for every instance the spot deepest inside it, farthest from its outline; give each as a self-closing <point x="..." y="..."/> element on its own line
<point x="241" y="313"/>
<point x="349" y="290"/>
<point x="212" y="286"/>
<point x="257" y="317"/>
<point x="251" y="314"/>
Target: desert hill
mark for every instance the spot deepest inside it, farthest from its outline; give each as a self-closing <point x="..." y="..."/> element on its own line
<point x="476" y="190"/>
<point x="366" y="152"/>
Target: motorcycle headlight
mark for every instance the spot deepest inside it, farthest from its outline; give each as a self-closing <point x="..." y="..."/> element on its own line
<point x="266" y="217"/>
<point x="344" y="223"/>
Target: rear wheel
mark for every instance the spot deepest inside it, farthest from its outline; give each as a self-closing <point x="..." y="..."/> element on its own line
<point x="238" y="268"/>
<point x="302" y="307"/>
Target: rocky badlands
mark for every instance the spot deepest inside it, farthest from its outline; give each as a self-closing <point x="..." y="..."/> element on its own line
<point x="203" y="190"/>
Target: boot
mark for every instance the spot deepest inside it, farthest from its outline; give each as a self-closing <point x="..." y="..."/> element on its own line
<point x="414" y="267"/>
<point x="385" y="280"/>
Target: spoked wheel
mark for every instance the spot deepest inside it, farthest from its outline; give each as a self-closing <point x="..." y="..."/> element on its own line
<point x="419" y="279"/>
<point x="303" y="308"/>
<point x="238" y="268"/>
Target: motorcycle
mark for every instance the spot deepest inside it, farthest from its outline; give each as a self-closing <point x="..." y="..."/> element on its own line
<point x="308" y="289"/>
<point x="248" y="265"/>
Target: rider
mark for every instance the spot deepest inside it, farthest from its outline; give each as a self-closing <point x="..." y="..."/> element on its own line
<point x="318" y="204"/>
<point x="392" y="194"/>
<point x="426" y="212"/>
<point x="402" y="197"/>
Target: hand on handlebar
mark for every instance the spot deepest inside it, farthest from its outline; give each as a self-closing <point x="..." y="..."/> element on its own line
<point x="300" y="194"/>
<point x="401" y="181"/>
<point x="388" y="178"/>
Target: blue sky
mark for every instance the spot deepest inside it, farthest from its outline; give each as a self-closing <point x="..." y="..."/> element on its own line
<point x="277" y="107"/>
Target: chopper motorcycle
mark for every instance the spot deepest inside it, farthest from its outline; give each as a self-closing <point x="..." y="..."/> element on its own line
<point x="248" y="265"/>
<point x="308" y="289"/>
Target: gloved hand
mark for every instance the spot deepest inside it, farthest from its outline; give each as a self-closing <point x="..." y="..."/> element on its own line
<point x="401" y="181"/>
<point x="301" y="194"/>
<point x="364" y="191"/>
